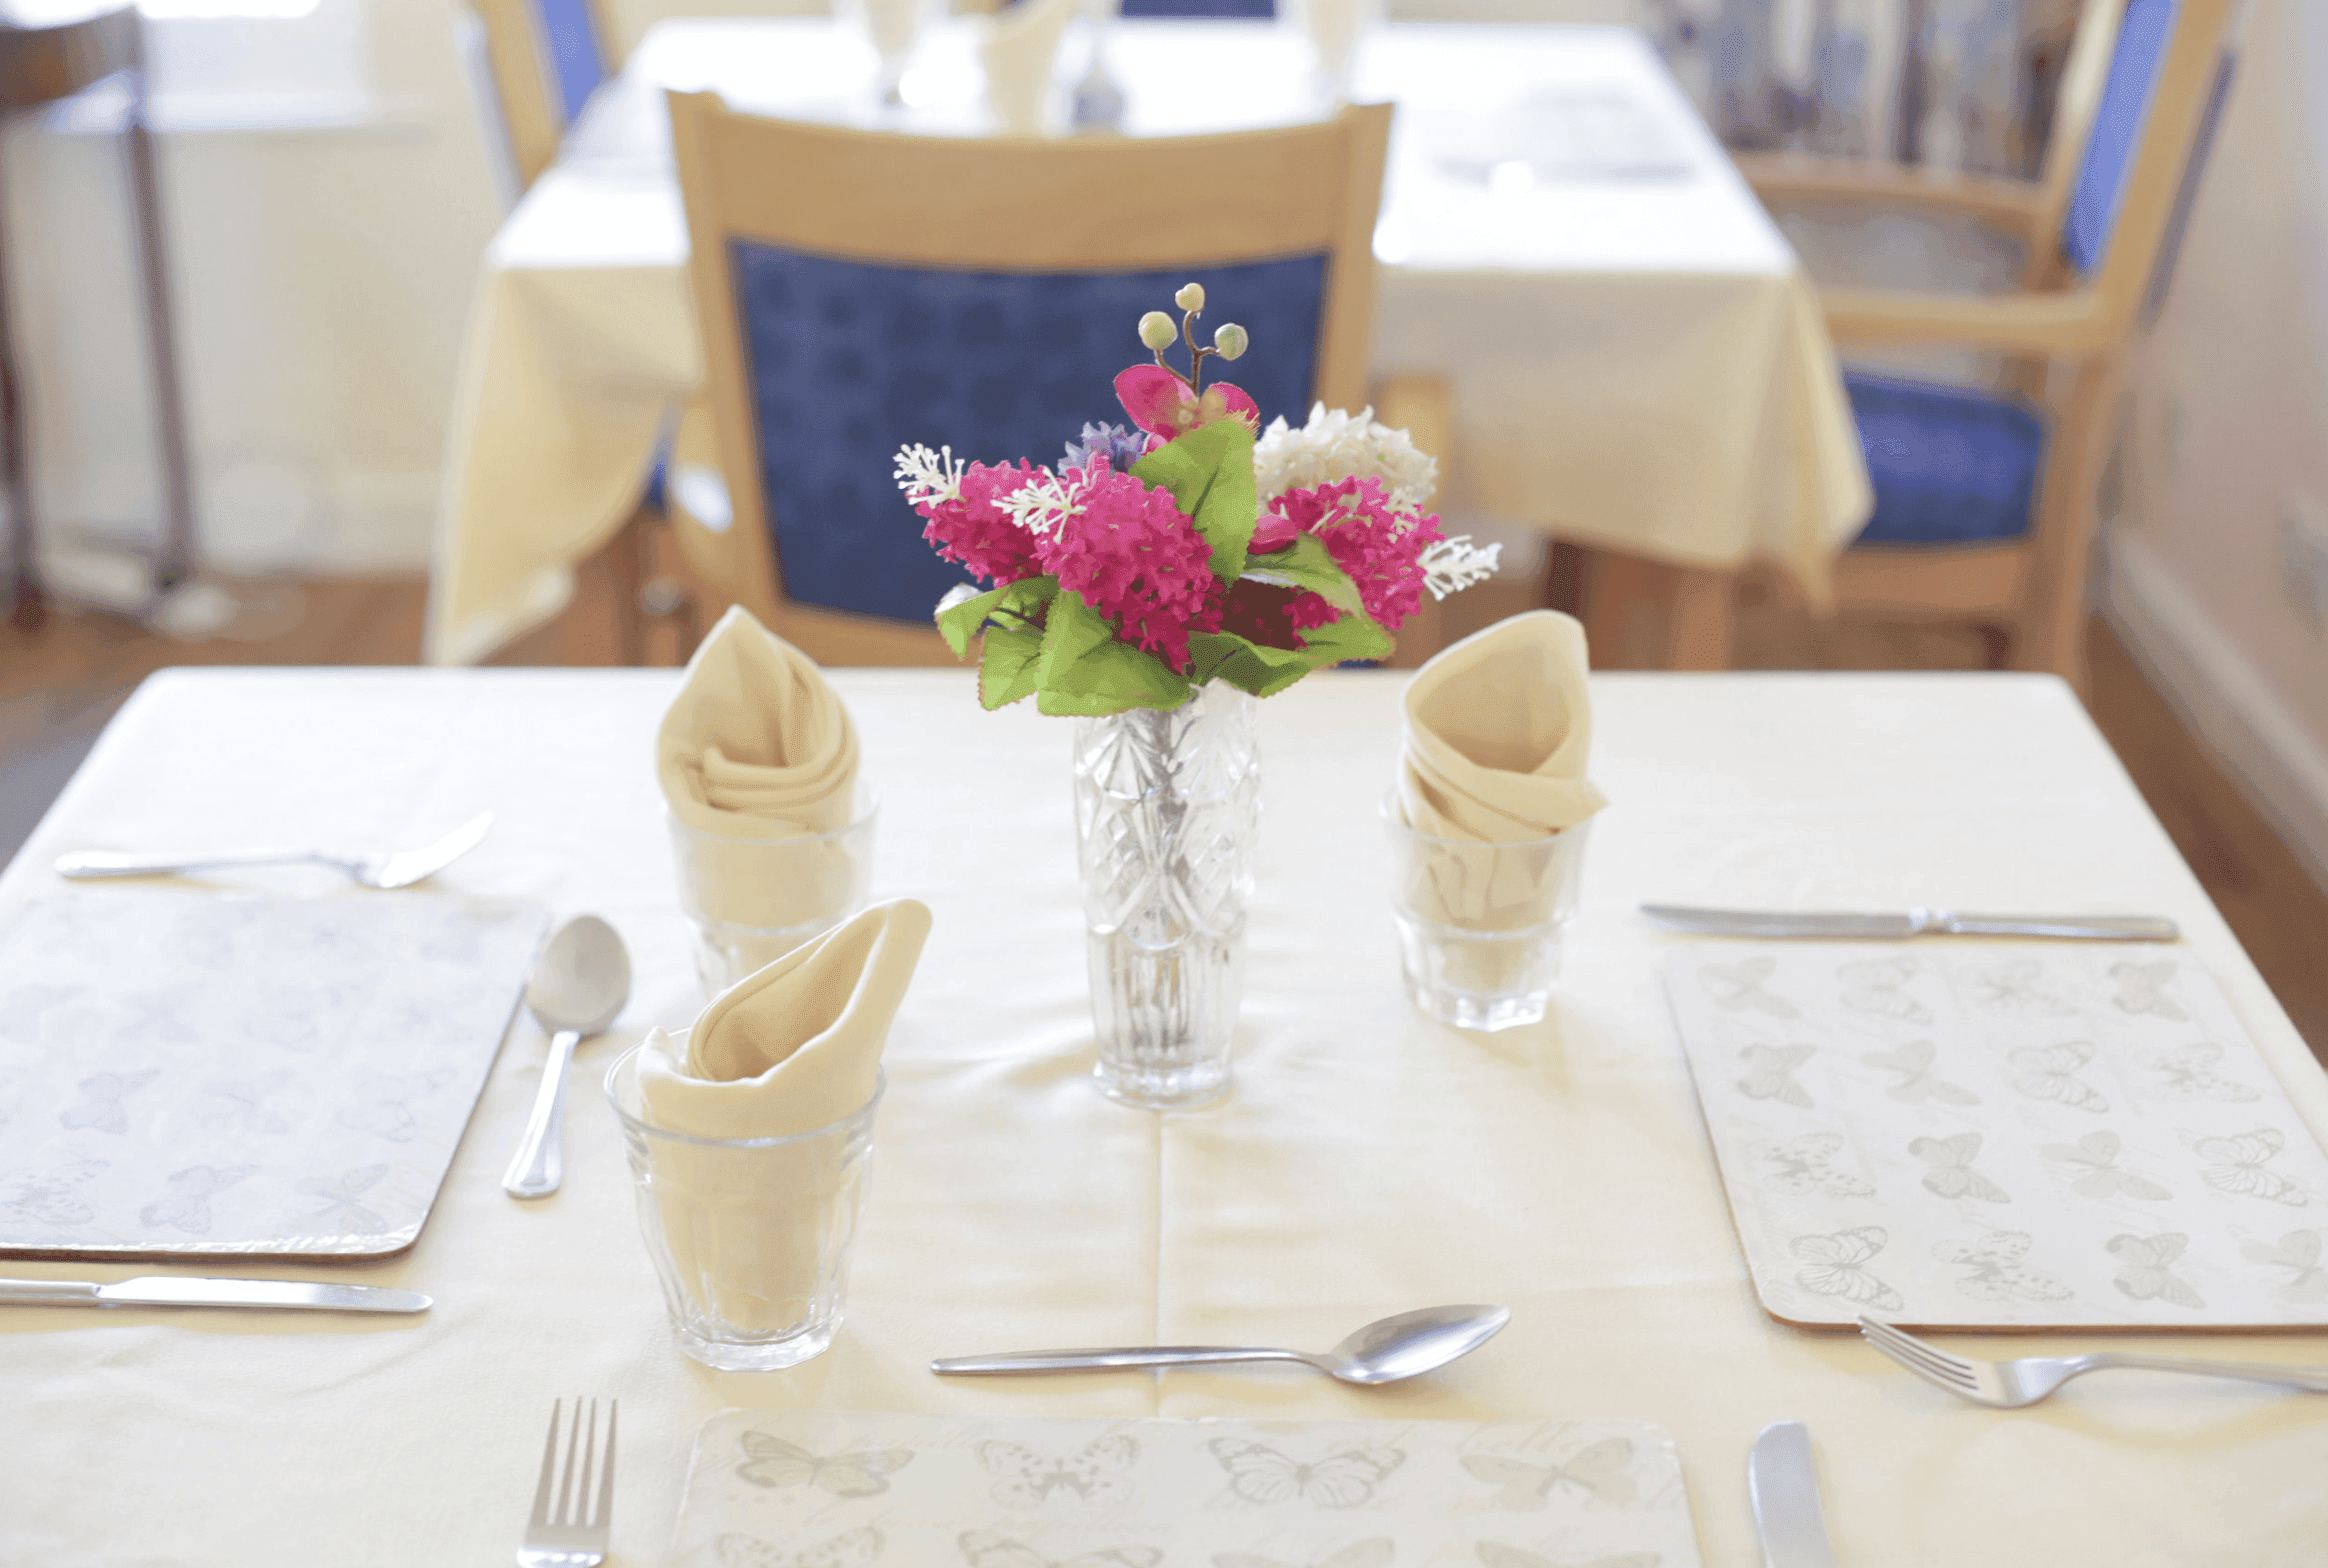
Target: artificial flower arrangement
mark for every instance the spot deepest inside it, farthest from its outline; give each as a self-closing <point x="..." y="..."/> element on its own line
<point x="1197" y="547"/>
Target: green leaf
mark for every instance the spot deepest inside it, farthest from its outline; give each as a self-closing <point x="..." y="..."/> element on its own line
<point x="1306" y="563"/>
<point x="1249" y="666"/>
<point x="1354" y="636"/>
<point x="1013" y="655"/>
<point x="1013" y="604"/>
<point x="1085" y="670"/>
<point x="1210" y="474"/>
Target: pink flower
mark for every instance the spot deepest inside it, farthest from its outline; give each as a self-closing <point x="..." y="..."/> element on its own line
<point x="979" y="533"/>
<point x="1379" y="549"/>
<point x="1161" y="404"/>
<point x="1137" y="560"/>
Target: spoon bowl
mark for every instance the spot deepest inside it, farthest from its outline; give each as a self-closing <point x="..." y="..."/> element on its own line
<point x="578" y="987"/>
<point x="1386" y="1351"/>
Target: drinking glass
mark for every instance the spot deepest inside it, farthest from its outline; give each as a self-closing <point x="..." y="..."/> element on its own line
<point x="1334" y="28"/>
<point x="752" y="900"/>
<point x="1480" y="924"/>
<point x="893" y="27"/>
<point x="749" y="1237"/>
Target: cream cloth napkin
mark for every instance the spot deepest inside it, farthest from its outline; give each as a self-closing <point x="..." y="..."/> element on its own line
<point x="1019" y="48"/>
<point x="757" y="746"/>
<point x="1496" y="736"/>
<point x="791" y="1049"/>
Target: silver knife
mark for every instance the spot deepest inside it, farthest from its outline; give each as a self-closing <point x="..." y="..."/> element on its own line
<point x="1914" y="922"/>
<point x="1785" y="1494"/>
<point x="170" y="1290"/>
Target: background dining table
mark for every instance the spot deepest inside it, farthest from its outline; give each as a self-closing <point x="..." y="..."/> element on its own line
<point x="1636" y="357"/>
<point x="1366" y="1161"/>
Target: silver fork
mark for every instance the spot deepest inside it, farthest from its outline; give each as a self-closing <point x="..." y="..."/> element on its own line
<point x="2008" y="1385"/>
<point x="570" y="1513"/>
<point x="388" y="869"/>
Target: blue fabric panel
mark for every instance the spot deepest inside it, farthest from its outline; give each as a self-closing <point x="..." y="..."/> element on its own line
<point x="851" y="360"/>
<point x="577" y="62"/>
<point x="1200" y="8"/>
<point x="2109" y="151"/>
<point x="1950" y="466"/>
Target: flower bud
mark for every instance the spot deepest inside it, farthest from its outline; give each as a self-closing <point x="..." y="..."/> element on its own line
<point x="1229" y="340"/>
<point x="1157" y="330"/>
<point x="1190" y="297"/>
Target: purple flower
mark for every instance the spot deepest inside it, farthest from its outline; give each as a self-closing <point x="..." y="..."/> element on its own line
<point x="1122" y="448"/>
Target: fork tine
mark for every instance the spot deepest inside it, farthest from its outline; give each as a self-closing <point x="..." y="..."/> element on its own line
<point x="565" y="1514"/>
<point x="604" y="1509"/>
<point x="1929" y="1374"/>
<point x="1916" y="1354"/>
<point x="542" y="1491"/>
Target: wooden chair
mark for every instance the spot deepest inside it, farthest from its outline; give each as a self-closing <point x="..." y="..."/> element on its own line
<point x="1986" y="499"/>
<point x="857" y="291"/>
<point x="545" y="58"/>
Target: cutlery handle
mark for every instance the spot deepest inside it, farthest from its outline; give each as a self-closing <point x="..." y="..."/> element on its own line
<point x="540" y="1161"/>
<point x="2313" y="1378"/>
<point x="109" y="863"/>
<point x="47" y="1293"/>
<point x="1086" y="1360"/>
<point x="2107" y="928"/>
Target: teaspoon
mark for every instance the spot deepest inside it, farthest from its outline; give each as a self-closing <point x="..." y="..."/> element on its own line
<point x="578" y="987"/>
<point x="1381" y="1352"/>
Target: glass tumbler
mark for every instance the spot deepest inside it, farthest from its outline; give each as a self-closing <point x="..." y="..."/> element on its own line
<point x="752" y="900"/>
<point x="1480" y="924"/>
<point x="750" y="1237"/>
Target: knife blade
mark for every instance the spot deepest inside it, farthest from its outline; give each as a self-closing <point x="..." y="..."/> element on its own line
<point x="1913" y="922"/>
<point x="169" y="1290"/>
<point x="1784" y="1492"/>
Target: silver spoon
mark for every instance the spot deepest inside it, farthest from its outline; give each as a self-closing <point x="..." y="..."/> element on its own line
<point x="1384" y="1352"/>
<point x="579" y="984"/>
<point x="395" y="868"/>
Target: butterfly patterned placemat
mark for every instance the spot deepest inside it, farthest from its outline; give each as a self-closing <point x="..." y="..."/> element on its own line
<point x="188" y="1074"/>
<point x="817" y="1489"/>
<point x="2001" y="1135"/>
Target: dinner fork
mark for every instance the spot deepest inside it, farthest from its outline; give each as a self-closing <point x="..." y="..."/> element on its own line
<point x="2008" y="1385"/>
<point x="570" y="1514"/>
<point x="387" y="869"/>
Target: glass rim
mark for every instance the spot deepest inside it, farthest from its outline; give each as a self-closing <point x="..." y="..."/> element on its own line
<point x="869" y="793"/>
<point x="673" y="1135"/>
<point x="1392" y="818"/>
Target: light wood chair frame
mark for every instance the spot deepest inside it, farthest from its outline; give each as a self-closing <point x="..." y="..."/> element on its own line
<point x="525" y="81"/>
<point x="1006" y="204"/>
<point x="2078" y="332"/>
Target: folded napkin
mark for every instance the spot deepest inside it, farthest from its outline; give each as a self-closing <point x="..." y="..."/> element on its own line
<point x="791" y="1049"/>
<point x="1021" y="43"/>
<point x="1496" y="734"/>
<point x="757" y="746"/>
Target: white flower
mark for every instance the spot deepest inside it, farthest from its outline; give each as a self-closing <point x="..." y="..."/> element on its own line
<point x="1454" y="564"/>
<point x="927" y="477"/>
<point x="1338" y="445"/>
<point x="1043" y="506"/>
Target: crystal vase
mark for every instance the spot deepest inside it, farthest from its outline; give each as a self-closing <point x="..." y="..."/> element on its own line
<point x="1165" y="808"/>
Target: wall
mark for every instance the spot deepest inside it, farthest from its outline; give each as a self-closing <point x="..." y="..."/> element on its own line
<point x="2227" y="439"/>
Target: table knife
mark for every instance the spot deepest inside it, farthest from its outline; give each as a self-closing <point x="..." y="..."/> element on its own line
<point x="1914" y="922"/>
<point x="169" y="1290"/>
<point x="1785" y="1495"/>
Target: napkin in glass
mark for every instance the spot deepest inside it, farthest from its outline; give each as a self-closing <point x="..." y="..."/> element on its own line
<point x="757" y="747"/>
<point x="791" y="1049"/>
<point x="1496" y="735"/>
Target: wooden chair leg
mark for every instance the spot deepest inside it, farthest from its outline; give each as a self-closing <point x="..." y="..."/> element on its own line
<point x="1646" y="615"/>
<point x="1699" y="626"/>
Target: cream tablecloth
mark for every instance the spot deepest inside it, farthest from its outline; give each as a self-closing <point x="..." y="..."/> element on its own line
<point x="1638" y="362"/>
<point x="1367" y="1161"/>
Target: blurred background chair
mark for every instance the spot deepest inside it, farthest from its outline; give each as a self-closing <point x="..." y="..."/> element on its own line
<point x="542" y="59"/>
<point x="1987" y="495"/>
<point x="860" y="291"/>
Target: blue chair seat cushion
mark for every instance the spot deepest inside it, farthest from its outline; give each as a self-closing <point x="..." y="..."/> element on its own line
<point x="1950" y="465"/>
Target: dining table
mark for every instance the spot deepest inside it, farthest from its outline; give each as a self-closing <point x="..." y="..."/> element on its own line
<point x="1365" y="1161"/>
<point x="1635" y="357"/>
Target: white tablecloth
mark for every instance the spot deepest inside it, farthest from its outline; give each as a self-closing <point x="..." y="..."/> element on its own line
<point x="1637" y="362"/>
<point x="1366" y="1162"/>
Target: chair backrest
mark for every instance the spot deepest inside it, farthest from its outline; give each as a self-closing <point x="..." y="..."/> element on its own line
<point x="2164" y="89"/>
<point x="2092" y="44"/>
<point x="547" y="57"/>
<point x="858" y="291"/>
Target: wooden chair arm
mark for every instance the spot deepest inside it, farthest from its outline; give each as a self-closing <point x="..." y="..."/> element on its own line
<point x="2016" y="206"/>
<point x="2069" y="325"/>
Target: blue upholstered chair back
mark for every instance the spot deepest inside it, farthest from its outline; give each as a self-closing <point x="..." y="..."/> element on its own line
<point x="2116" y="133"/>
<point x="849" y="360"/>
<point x="577" y="55"/>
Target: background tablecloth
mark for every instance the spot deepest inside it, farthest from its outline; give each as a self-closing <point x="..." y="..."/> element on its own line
<point x="1367" y="1161"/>
<point x="1637" y="362"/>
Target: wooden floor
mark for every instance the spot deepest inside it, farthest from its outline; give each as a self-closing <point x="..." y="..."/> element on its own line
<point x="59" y="685"/>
